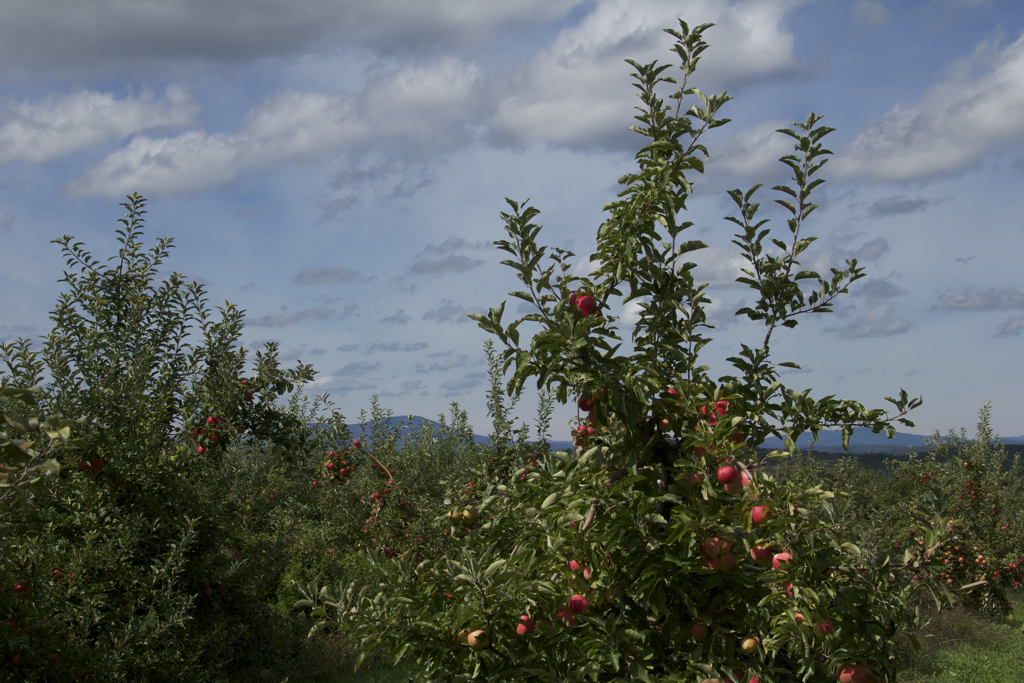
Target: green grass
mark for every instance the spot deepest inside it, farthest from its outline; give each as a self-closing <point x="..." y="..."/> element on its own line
<point x="960" y="646"/>
<point x="956" y="646"/>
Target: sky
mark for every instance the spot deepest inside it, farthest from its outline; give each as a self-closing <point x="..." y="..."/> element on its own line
<point x="337" y="169"/>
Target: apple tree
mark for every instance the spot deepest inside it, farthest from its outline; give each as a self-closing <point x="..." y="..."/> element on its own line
<point x="659" y="549"/>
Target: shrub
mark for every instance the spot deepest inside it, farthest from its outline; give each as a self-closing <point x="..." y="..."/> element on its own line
<point x="619" y="552"/>
<point x="139" y="567"/>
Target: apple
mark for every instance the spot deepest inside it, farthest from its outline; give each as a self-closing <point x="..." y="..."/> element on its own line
<point x="799" y="618"/>
<point x="578" y="604"/>
<point x="52" y="657"/>
<point x="745" y="479"/>
<point x="760" y="513"/>
<point x="586" y="304"/>
<point x="463" y="636"/>
<point x="699" y="631"/>
<point x="526" y="626"/>
<point x="664" y="425"/>
<point x="587" y="573"/>
<point x="788" y="587"/>
<point x="470" y="515"/>
<point x="20" y="588"/>
<point x="728" y="561"/>
<point x="712" y="563"/>
<point x="724" y="545"/>
<point x="695" y="479"/>
<point x="207" y="591"/>
<point x="585" y="403"/>
<point x="574" y="566"/>
<point x="567" y="616"/>
<point x="823" y="628"/>
<point x="749" y="644"/>
<point x="733" y="487"/>
<point x="781" y="558"/>
<point x="710" y="547"/>
<point x="477" y="640"/>
<point x="761" y="555"/>
<point x="727" y="474"/>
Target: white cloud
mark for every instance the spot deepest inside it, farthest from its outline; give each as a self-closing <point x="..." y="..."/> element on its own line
<point x="878" y="322"/>
<point x="719" y="266"/>
<point x="414" y="110"/>
<point x="1013" y="326"/>
<point x="950" y="128"/>
<point x="55" y="127"/>
<point x="752" y="153"/>
<point x="576" y="93"/>
<point x="870" y="13"/>
<point x="984" y="299"/>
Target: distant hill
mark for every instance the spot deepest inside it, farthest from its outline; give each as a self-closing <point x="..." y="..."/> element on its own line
<point x="870" y="450"/>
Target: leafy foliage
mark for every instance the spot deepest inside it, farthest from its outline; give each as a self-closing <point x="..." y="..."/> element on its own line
<point x="615" y="551"/>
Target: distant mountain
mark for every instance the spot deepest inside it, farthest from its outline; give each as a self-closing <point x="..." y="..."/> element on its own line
<point x="863" y="440"/>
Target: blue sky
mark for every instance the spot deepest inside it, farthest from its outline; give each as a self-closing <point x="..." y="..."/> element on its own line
<point x="337" y="169"/>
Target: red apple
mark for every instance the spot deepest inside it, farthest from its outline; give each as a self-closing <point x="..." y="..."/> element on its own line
<point x="799" y="618"/>
<point x="733" y="487"/>
<point x="20" y="588"/>
<point x="574" y="566"/>
<point x="712" y="563"/>
<point x="724" y="545"/>
<point x="587" y="573"/>
<point x="710" y="547"/>
<point x="356" y="443"/>
<point x="761" y="513"/>
<point x="578" y="604"/>
<point x="728" y="561"/>
<point x="788" y="587"/>
<point x="823" y="628"/>
<point x="849" y="673"/>
<point x="586" y="304"/>
<point x="699" y="631"/>
<point x="745" y="479"/>
<point x="567" y="616"/>
<point x="727" y="474"/>
<point x="526" y="626"/>
<point x="781" y="558"/>
<point x="585" y="403"/>
<point x="695" y="479"/>
<point x="52" y="657"/>
<point x="761" y="555"/>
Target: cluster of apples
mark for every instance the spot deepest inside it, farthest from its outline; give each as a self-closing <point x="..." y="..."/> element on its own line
<point x="717" y="554"/>
<point x="210" y="434"/>
<point x="467" y="515"/>
<point x="586" y="404"/>
<point x="338" y="468"/>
